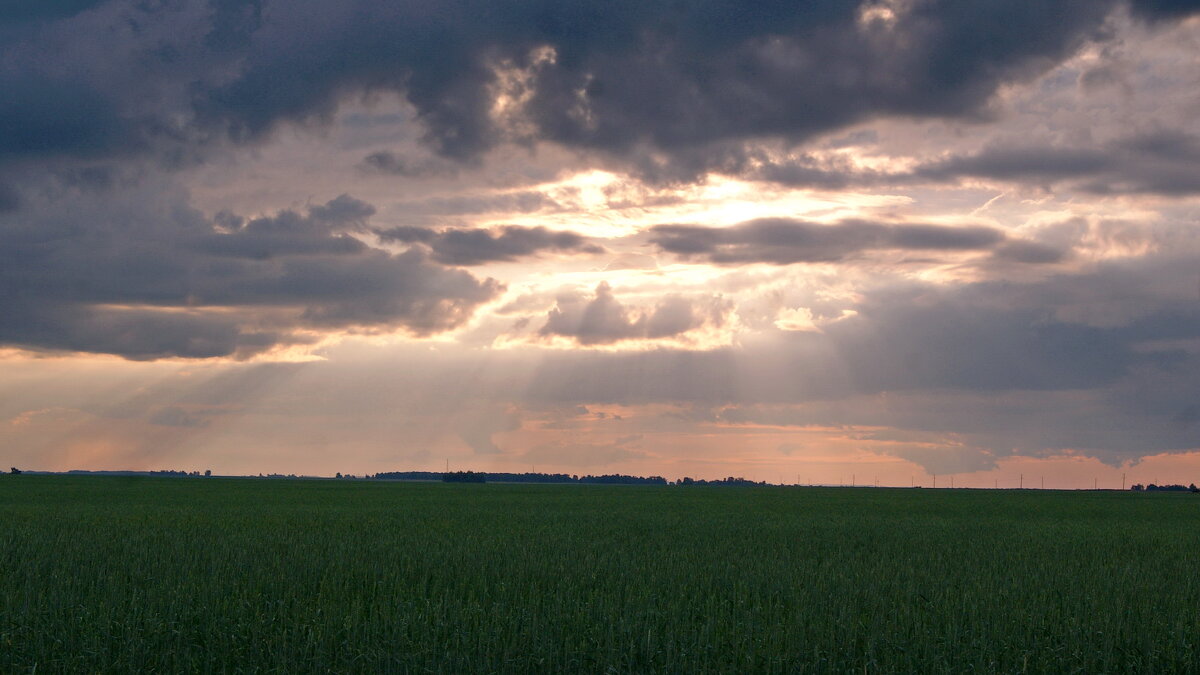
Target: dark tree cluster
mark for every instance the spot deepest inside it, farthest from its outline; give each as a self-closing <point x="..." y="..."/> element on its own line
<point x="620" y="479"/>
<point x="464" y="477"/>
<point x="407" y="475"/>
<point x="729" y="481"/>
<point x="15" y="471"/>
<point x="1164" y="488"/>
<point x="528" y="477"/>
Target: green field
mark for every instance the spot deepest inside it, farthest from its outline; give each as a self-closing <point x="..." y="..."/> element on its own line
<point x="123" y="574"/>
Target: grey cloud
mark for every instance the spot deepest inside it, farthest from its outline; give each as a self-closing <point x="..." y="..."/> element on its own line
<point x="626" y="77"/>
<point x="29" y="11"/>
<point x="343" y="210"/>
<point x="133" y="334"/>
<point x="407" y="234"/>
<point x="504" y="244"/>
<point x="604" y="320"/>
<point x="1162" y="162"/>
<point x="1083" y="331"/>
<point x="524" y="201"/>
<point x="989" y="368"/>
<point x="154" y="280"/>
<point x="390" y="163"/>
<point x="1028" y="252"/>
<point x="9" y="199"/>
<point x="808" y="175"/>
<point x="1028" y="164"/>
<point x="1165" y="9"/>
<point x="783" y="241"/>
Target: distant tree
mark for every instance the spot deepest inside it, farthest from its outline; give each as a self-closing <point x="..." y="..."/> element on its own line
<point x="14" y="471"/>
<point x="339" y="475"/>
<point x="208" y="472"/>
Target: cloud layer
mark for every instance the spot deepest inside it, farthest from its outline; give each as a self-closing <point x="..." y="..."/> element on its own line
<point x="475" y="247"/>
<point x="159" y="282"/>
<point x="623" y="78"/>
<point x="782" y="241"/>
<point x="940" y="232"/>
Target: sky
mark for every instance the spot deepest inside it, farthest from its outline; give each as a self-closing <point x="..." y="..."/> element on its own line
<point x="835" y="242"/>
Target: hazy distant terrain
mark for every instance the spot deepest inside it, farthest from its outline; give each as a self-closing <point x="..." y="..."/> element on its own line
<point x="142" y="574"/>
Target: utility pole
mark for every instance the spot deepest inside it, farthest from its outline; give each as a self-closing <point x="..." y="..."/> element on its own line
<point x="853" y="479"/>
<point x="447" y="465"/>
<point x="1122" y="482"/>
<point x="1043" y="482"/>
<point x="1021" y="485"/>
<point x="935" y="480"/>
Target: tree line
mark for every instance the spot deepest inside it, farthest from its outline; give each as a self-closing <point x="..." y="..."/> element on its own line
<point x="529" y="477"/>
<point x="532" y="477"/>
<point x="1164" y="488"/>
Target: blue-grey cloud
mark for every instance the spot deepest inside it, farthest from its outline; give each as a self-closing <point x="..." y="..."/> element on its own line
<point x="1163" y="162"/>
<point x="504" y="244"/>
<point x="783" y="241"/>
<point x="603" y="320"/>
<point x="624" y="76"/>
<point x="173" y="283"/>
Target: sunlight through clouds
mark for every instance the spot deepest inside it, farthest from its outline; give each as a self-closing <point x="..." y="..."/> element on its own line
<point x="881" y="235"/>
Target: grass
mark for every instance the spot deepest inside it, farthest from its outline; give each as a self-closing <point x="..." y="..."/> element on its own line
<point x="123" y="574"/>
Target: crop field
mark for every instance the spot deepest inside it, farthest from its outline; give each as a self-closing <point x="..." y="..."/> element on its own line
<point x="143" y="574"/>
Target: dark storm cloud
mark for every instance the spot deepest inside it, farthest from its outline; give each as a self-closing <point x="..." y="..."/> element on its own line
<point x="782" y="241"/>
<point x="390" y="163"/>
<point x="161" y="281"/>
<point x="9" y="199"/>
<point x="135" y="334"/>
<point x="604" y="320"/>
<point x="1028" y="252"/>
<point x="692" y="80"/>
<point x="504" y="244"/>
<point x="1162" y="163"/>
<point x="26" y="10"/>
<point x="1165" y="9"/>
<point x="521" y="201"/>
